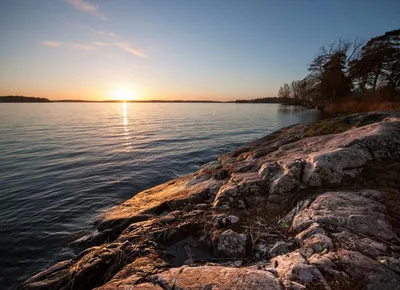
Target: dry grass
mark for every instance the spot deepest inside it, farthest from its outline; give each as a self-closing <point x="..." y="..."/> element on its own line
<point x="115" y="259"/>
<point x="327" y="127"/>
<point x="265" y="231"/>
<point x="365" y="105"/>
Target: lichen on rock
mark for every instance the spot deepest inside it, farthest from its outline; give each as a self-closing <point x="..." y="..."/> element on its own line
<point x="232" y="244"/>
<point x="321" y="201"/>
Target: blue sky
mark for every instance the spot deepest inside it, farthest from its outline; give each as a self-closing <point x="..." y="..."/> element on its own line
<point x="222" y="50"/>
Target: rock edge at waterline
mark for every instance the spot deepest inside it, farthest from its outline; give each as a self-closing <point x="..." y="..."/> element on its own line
<point x="312" y="206"/>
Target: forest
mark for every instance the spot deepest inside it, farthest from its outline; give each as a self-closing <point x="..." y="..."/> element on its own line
<point x="357" y="73"/>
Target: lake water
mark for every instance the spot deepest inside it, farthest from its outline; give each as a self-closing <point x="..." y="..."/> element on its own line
<point x="62" y="164"/>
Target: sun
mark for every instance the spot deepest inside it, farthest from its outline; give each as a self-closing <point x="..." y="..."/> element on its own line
<point x="125" y="94"/>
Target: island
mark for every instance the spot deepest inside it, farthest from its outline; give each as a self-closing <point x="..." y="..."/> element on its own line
<point x="22" y="99"/>
<point x="310" y="206"/>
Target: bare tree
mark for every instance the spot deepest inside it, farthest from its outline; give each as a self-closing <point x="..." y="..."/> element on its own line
<point x="303" y="89"/>
<point x="284" y="91"/>
<point x="350" y="49"/>
<point x="331" y="66"/>
<point x="296" y="89"/>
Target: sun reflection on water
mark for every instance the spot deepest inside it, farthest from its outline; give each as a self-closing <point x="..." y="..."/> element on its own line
<point x="125" y="114"/>
<point x="126" y="129"/>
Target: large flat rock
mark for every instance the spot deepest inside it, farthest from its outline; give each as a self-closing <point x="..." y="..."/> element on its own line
<point x="217" y="277"/>
<point x="298" y="205"/>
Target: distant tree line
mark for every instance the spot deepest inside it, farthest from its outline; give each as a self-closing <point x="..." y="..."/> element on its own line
<point x="272" y="100"/>
<point x="22" y="99"/>
<point x="350" y="69"/>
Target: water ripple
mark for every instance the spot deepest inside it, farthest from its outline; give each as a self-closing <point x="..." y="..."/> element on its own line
<point x="62" y="164"/>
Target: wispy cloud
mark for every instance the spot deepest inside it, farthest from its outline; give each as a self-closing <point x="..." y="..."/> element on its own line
<point x="130" y="48"/>
<point x="51" y="43"/>
<point x="70" y="45"/>
<point x="112" y="39"/>
<point x="79" y="46"/>
<point x="105" y="33"/>
<point x="125" y="46"/>
<point x="87" y="7"/>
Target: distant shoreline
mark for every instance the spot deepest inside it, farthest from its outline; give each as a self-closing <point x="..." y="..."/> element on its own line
<point x="23" y="99"/>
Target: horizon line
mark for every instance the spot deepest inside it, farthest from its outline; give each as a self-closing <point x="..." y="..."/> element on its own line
<point x="133" y="101"/>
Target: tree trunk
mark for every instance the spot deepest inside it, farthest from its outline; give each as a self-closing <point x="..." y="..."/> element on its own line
<point x="363" y="88"/>
<point x="333" y="95"/>
<point x="376" y="80"/>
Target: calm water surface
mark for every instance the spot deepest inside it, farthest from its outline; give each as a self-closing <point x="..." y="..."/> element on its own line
<point x="62" y="164"/>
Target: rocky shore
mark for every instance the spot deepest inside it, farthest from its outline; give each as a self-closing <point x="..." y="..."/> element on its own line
<point x="312" y="206"/>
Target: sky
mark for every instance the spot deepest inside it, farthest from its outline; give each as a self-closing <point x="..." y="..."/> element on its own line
<point x="173" y="49"/>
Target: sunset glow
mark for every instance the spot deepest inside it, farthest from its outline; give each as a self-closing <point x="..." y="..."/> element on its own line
<point x="125" y="94"/>
<point x="186" y="50"/>
<point x="183" y="109"/>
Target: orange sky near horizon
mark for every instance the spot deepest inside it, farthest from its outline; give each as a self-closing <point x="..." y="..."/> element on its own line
<point x="171" y="50"/>
<point x="114" y="90"/>
<point x="100" y="50"/>
<point x="123" y="93"/>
